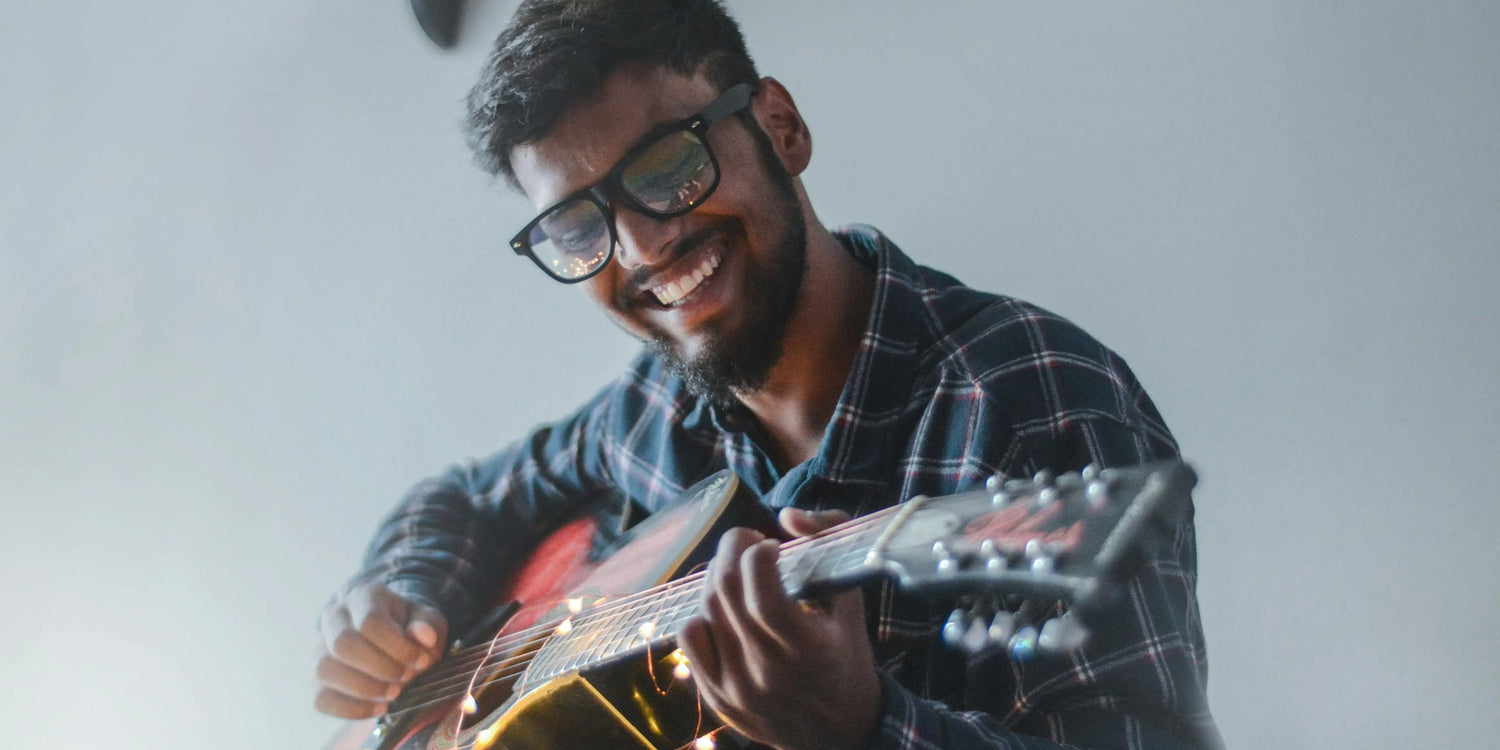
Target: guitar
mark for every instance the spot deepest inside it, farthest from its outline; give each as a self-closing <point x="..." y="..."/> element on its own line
<point x="586" y="655"/>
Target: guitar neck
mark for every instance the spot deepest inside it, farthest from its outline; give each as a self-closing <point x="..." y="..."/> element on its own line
<point x="618" y="629"/>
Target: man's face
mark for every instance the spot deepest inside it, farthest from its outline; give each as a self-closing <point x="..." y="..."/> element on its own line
<point x="746" y="242"/>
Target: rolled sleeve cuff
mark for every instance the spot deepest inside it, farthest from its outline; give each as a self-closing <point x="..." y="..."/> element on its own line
<point x="902" y="720"/>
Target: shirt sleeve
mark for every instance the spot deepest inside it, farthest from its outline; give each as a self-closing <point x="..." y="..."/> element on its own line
<point x="453" y="537"/>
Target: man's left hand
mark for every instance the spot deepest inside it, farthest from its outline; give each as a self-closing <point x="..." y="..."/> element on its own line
<point x="789" y="674"/>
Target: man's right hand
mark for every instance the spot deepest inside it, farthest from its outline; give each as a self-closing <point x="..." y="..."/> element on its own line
<point x="374" y="642"/>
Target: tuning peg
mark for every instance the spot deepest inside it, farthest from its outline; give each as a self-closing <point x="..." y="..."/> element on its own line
<point x="1034" y="549"/>
<point x="994" y="559"/>
<point x="994" y="483"/>
<point x="1089" y="473"/>
<point x="1043" y="478"/>
<point x="1097" y="494"/>
<point x="955" y="629"/>
<point x="1062" y="634"/>
<point x="1043" y="564"/>
<point x="1023" y="644"/>
<point x="977" y="637"/>
<point x="1002" y="628"/>
<point x="1047" y="496"/>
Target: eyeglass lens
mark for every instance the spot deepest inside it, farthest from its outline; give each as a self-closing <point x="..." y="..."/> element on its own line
<point x="667" y="178"/>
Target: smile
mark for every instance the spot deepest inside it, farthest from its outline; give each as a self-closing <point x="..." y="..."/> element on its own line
<point x="678" y="289"/>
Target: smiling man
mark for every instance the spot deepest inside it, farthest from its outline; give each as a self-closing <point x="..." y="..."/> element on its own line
<point x="831" y="373"/>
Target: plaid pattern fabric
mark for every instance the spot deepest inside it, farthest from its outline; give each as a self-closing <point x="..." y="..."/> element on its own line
<point x="950" y="387"/>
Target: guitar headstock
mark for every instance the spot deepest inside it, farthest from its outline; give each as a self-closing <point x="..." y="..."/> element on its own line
<point x="1026" y="545"/>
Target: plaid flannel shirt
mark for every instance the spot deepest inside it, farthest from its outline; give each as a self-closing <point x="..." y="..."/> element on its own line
<point x="950" y="386"/>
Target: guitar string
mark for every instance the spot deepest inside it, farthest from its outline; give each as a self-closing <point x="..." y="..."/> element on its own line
<point x="466" y="661"/>
<point x="514" y="663"/>
<point x="507" y="666"/>
<point x="469" y="665"/>
<point x="466" y="668"/>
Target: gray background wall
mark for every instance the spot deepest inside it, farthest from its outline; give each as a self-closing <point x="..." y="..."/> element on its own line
<point x="251" y="289"/>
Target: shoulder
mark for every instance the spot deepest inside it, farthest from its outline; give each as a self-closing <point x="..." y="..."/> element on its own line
<point x="1036" y="370"/>
<point x="655" y="435"/>
<point x="646" y="395"/>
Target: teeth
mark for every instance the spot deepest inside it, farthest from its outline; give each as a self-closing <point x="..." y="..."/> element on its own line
<point x="674" y="291"/>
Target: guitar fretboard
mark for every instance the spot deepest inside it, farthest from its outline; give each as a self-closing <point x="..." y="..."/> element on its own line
<point x="653" y="619"/>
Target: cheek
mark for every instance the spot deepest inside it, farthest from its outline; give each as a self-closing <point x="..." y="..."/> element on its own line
<point x="601" y="289"/>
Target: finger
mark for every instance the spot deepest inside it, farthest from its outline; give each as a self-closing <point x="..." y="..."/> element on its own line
<point x="747" y="648"/>
<point x="334" y="703"/>
<point x="766" y="602"/>
<point x="799" y="522"/>
<point x="723" y="576"/>
<point x="350" y="647"/>
<point x="345" y="679"/>
<point x="716" y="660"/>
<point x="380" y="615"/>
<point x="429" y="628"/>
<point x="697" y="643"/>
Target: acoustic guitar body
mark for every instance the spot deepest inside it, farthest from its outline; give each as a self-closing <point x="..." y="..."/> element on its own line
<point x="631" y="703"/>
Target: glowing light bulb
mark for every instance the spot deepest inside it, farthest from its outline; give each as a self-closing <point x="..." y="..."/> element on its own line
<point x="682" y="671"/>
<point x="706" y="742"/>
<point x="487" y="736"/>
<point x="575" y="605"/>
<point x="647" y="628"/>
<point x="470" y="705"/>
<point x="565" y="627"/>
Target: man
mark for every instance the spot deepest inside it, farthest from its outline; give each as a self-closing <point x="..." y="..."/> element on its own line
<point x="830" y="372"/>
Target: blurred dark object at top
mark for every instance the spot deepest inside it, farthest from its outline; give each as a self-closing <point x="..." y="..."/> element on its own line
<point x="440" y="19"/>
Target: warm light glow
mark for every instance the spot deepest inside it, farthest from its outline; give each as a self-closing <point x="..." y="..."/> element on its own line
<point x="575" y="605"/>
<point x="706" y="742"/>
<point x="678" y="657"/>
<point x="470" y="705"/>
<point x="487" y="736"/>
<point x="565" y="627"/>
<point x="647" y="628"/>
<point x="682" y="671"/>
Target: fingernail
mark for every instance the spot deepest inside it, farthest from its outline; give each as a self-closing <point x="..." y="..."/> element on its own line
<point x="424" y="634"/>
<point x="422" y="662"/>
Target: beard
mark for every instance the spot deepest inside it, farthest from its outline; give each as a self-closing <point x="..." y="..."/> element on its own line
<point x="741" y="358"/>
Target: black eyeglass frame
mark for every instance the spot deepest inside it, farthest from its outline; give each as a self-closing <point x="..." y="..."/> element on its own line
<point x="734" y="99"/>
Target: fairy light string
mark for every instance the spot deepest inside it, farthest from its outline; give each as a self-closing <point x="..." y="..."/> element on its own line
<point x="605" y="628"/>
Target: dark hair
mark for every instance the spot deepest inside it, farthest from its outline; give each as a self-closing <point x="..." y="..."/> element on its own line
<point x="556" y="53"/>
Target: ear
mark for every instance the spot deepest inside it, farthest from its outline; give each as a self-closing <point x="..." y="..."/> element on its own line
<point x="783" y="124"/>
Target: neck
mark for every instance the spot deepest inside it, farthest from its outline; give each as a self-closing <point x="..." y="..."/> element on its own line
<point x="818" y="351"/>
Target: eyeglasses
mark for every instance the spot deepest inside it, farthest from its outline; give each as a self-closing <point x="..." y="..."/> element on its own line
<point x="666" y="175"/>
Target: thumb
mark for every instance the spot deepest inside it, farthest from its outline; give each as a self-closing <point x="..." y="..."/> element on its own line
<point x="798" y="522"/>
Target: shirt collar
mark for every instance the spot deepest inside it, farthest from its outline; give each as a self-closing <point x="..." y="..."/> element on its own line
<point x="859" y="445"/>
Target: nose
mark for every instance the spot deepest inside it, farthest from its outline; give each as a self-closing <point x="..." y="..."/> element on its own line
<point x="644" y="241"/>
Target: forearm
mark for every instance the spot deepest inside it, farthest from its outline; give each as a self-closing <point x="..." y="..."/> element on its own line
<point x="454" y="537"/>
